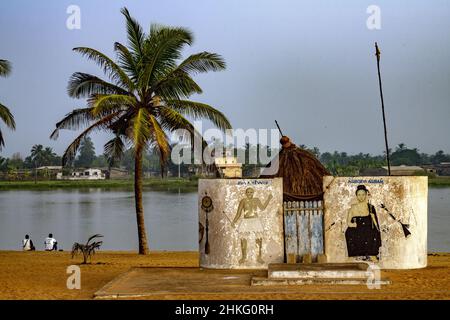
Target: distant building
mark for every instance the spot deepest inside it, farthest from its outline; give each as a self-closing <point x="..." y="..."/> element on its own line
<point x="442" y="169"/>
<point x="50" y="172"/>
<point x="402" y="170"/>
<point x="228" y="166"/>
<point x="405" y="170"/>
<point x="50" y="168"/>
<point x="87" y="174"/>
<point x="115" y="173"/>
<point x="200" y="170"/>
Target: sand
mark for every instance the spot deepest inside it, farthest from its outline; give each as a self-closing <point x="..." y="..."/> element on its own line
<point x="42" y="275"/>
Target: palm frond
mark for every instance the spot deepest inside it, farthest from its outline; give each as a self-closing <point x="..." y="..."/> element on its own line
<point x="198" y="110"/>
<point x="135" y="34"/>
<point x="2" y="141"/>
<point x="93" y="237"/>
<point x="74" y="120"/>
<point x="110" y="68"/>
<point x="84" y="85"/>
<point x="172" y="120"/>
<point x="114" y="149"/>
<point x="141" y="127"/>
<point x="160" y="142"/>
<point x="126" y="61"/>
<point x="7" y="117"/>
<point x="162" y="49"/>
<point x="104" y="104"/>
<point x="71" y="151"/>
<point x="5" y="68"/>
<point x="202" y="62"/>
<point x="176" y="86"/>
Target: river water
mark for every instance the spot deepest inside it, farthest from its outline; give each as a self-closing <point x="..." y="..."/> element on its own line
<point x="171" y="218"/>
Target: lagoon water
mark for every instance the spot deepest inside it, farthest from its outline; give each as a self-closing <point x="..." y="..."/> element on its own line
<point x="171" y="218"/>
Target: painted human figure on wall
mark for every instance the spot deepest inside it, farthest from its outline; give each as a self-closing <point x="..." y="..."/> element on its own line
<point x="363" y="230"/>
<point x="250" y="224"/>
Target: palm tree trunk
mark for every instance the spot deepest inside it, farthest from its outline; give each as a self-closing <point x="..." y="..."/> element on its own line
<point x="142" y="236"/>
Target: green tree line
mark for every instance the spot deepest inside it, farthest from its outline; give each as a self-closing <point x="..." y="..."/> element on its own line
<point x="338" y="163"/>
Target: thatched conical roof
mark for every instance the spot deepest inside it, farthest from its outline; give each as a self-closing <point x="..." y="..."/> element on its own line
<point x="301" y="171"/>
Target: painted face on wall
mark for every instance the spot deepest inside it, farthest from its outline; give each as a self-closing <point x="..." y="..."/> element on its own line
<point x="249" y="193"/>
<point x="361" y="195"/>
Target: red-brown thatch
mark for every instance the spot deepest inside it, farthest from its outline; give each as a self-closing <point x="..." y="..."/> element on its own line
<point x="301" y="171"/>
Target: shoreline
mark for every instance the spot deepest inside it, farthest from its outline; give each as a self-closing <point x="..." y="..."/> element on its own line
<point x="151" y="183"/>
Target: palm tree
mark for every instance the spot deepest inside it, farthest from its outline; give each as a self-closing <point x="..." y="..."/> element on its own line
<point x="37" y="154"/>
<point x="145" y="98"/>
<point x="5" y="114"/>
<point x="401" y="147"/>
<point x="48" y="156"/>
<point x="37" y="157"/>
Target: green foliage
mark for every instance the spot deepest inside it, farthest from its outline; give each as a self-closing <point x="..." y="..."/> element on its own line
<point x="404" y="156"/>
<point x="100" y="162"/>
<point x="5" y="68"/>
<point x="439" y="157"/>
<point x="15" y="162"/>
<point x="87" y="153"/>
<point x="87" y="249"/>
<point x="3" y="163"/>
<point x="145" y="94"/>
<point x="143" y="98"/>
<point x="169" y="184"/>
<point x="342" y="164"/>
<point x="5" y="115"/>
<point x="439" y="182"/>
<point x="40" y="156"/>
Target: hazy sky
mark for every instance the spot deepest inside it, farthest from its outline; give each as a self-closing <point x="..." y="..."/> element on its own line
<point x="308" y="64"/>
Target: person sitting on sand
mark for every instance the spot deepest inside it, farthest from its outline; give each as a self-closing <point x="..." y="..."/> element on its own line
<point x="50" y="243"/>
<point x="27" y="244"/>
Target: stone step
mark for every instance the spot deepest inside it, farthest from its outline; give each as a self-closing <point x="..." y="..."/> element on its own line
<point x="261" y="281"/>
<point x="318" y="270"/>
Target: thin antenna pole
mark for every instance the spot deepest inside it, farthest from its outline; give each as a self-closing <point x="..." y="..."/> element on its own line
<point x="377" y="53"/>
<point x="279" y="129"/>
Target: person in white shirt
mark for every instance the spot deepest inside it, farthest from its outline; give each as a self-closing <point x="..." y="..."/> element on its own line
<point x="50" y="243"/>
<point x="27" y="244"/>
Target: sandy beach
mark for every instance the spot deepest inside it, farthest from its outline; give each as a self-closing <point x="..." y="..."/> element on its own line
<point x="42" y="275"/>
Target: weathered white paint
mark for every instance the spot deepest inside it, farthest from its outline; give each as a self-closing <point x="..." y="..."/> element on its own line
<point x="260" y="281"/>
<point x="224" y="240"/>
<point x="327" y="270"/>
<point x="405" y="197"/>
<point x="290" y="228"/>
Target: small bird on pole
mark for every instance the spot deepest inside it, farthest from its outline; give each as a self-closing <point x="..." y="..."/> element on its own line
<point x="378" y="53"/>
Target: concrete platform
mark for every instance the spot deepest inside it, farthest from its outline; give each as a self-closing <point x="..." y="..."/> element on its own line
<point x="319" y="273"/>
<point x="318" y="270"/>
<point x="261" y="281"/>
<point x="161" y="283"/>
<point x="181" y="283"/>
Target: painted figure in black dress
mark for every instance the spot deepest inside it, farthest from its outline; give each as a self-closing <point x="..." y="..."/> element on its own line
<point x="363" y="232"/>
